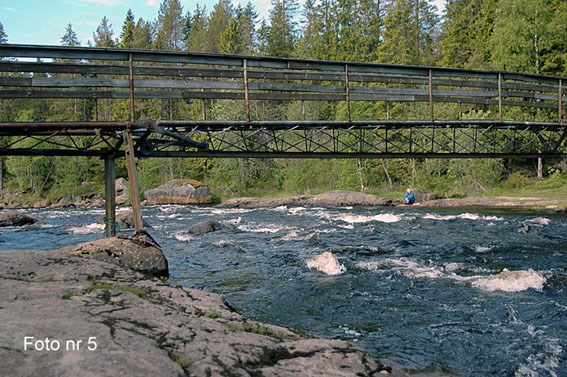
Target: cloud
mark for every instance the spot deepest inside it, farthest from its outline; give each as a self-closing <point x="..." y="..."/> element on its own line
<point x="152" y="3"/>
<point x="106" y="3"/>
<point x="9" y="9"/>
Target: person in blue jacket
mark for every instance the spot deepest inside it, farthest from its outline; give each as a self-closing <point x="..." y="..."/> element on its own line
<point x="409" y="198"/>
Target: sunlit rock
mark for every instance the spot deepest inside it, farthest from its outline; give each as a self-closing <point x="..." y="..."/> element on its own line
<point x="179" y="191"/>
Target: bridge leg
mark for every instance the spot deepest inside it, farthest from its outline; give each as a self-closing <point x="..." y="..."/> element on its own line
<point x="110" y="196"/>
<point x="133" y="180"/>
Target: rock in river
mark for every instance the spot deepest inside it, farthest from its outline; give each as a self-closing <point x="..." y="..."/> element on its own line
<point x="204" y="227"/>
<point x="179" y="191"/>
<point x="15" y="218"/>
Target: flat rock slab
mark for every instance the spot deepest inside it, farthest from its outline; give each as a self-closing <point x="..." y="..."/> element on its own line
<point x="63" y="315"/>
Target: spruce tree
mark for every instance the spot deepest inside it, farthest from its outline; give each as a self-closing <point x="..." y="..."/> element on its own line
<point x="70" y="37"/>
<point x="282" y="32"/>
<point x="142" y="35"/>
<point x="196" y="38"/>
<point x="127" y="35"/>
<point x="3" y="35"/>
<point x="104" y="34"/>
<point x="222" y="26"/>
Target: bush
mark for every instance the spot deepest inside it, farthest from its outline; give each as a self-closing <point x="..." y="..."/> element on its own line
<point x="516" y="181"/>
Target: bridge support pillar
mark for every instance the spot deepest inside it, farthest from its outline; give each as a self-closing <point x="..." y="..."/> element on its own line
<point x="133" y="180"/>
<point x="109" y="196"/>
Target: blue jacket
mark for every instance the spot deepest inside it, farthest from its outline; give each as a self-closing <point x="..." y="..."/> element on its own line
<point x="409" y="198"/>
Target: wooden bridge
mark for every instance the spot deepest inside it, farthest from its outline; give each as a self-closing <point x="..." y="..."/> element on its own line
<point x="385" y="111"/>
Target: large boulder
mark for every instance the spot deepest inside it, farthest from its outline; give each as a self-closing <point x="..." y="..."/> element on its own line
<point x="179" y="191"/>
<point x="15" y="218"/>
<point x="139" y="252"/>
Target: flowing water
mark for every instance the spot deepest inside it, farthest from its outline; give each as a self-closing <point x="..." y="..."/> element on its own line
<point x="475" y="294"/>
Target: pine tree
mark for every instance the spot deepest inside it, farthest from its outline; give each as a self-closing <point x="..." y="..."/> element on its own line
<point x="3" y="35"/>
<point x="127" y="35"/>
<point x="169" y="25"/>
<point x="70" y="37"/>
<point x="104" y="34"/>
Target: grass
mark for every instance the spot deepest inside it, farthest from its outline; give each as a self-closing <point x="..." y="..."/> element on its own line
<point x="256" y="329"/>
<point x="120" y="288"/>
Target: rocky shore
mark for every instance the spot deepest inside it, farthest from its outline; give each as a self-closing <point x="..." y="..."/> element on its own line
<point x="65" y="315"/>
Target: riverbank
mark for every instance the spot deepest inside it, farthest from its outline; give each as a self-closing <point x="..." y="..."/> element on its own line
<point x="351" y="198"/>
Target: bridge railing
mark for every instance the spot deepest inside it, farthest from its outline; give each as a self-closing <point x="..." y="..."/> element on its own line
<point x="406" y="110"/>
<point x="87" y="73"/>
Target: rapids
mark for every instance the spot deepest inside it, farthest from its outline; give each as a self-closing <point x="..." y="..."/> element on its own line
<point x="473" y="293"/>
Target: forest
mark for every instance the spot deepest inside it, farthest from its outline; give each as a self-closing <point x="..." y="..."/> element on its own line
<point x="527" y="36"/>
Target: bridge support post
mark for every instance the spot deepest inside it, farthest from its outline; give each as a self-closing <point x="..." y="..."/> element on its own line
<point x="109" y="196"/>
<point x="133" y="181"/>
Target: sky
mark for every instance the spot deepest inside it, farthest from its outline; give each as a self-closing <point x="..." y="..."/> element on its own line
<point x="43" y="22"/>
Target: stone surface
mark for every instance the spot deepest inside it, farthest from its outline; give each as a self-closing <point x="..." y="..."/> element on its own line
<point x="15" y="218"/>
<point x="139" y="252"/>
<point x="204" y="227"/>
<point x="179" y="191"/>
<point x="331" y="198"/>
<point x="132" y="325"/>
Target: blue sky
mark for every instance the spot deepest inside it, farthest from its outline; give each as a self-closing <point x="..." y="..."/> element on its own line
<point x="43" y="22"/>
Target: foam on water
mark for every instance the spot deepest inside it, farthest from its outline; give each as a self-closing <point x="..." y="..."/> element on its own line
<point x="511" y="281"/>
<point x="406" y="267"/>
<point x="183" y="237"/>
<point x="354" y="219"/>
<point x="327" y="263"/>
<point x="264" y="228"/>
<point x="88" y="229"/>
<point x="482" y="249"/>
<point x="463" y="216"/>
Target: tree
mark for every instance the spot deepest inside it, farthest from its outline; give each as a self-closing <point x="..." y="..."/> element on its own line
<point x="170" y="24"/>
<point x="142" y="36"/>
<point x="410" y="33"/>
<point x="104" y="34"/>
<point x="522" y="35"/>
<point x="246" y="20"/>
<point x="127" y="35"/>
<point x="466" y="30"/>
<point x="282" y="32"/>
<point x="555" y="58"/>
<point x="196" y="30"/>
<point x="70" y="37"/>
<point x="222" y="29"/>
<point x="3" y="35"/>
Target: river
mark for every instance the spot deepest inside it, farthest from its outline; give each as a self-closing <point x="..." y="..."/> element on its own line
<point x="476" y="293"/>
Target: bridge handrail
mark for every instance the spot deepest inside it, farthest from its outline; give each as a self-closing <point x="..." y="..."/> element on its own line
<point x="110" y="73"/>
